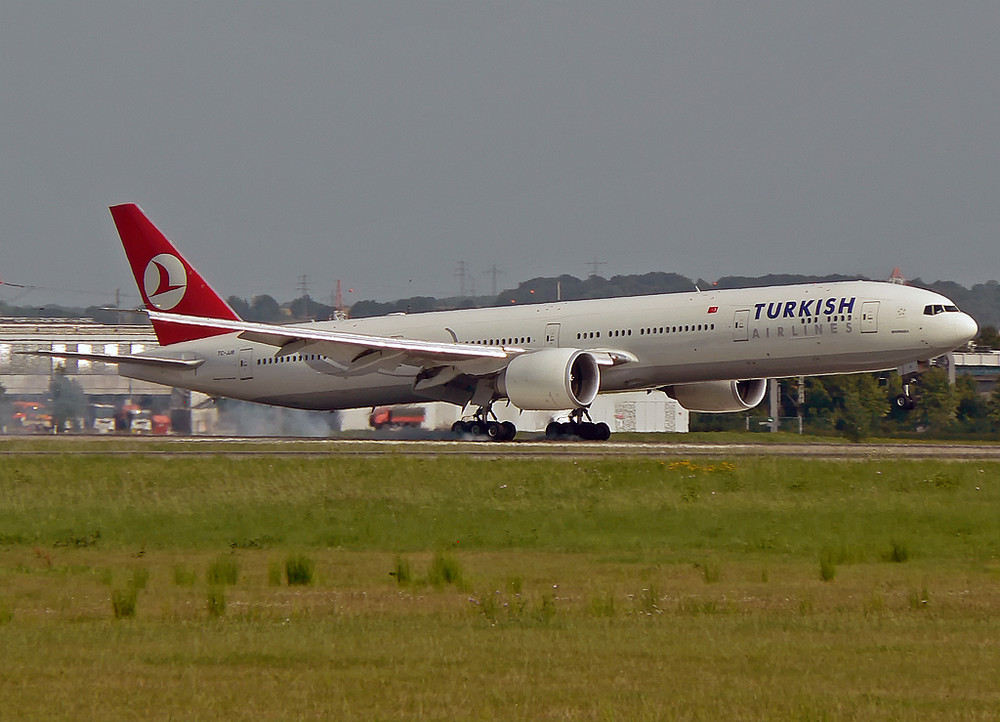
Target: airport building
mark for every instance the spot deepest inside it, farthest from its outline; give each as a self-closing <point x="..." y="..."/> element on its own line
<point x="983" y="366"/>
<point x="29" y="376"/>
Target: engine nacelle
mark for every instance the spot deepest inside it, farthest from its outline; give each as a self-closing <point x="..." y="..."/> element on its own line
<point x="551" y="379"/>
<point x="717" y="397"/>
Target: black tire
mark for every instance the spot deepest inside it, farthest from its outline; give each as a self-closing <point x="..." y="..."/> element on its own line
<point x="602" y="432"/>
<point x="492" y="431"/>
<point x="507" y="431"/>
<point x="477" y="428"/>
<point x="459" y="427"/>
<point x="553" y="430"/>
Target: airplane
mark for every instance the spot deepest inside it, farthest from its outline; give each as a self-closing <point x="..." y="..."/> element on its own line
<point x="711" y="351"/>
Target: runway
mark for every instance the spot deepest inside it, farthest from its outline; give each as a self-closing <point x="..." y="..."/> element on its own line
<point x="270" y="446"/>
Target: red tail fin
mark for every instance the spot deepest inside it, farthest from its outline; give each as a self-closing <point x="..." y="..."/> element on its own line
<point x="166" y="280"/>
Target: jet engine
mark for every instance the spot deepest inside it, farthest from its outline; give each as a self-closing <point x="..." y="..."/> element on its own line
<point x="717" y="397"/>
<point x="551" y="379"/>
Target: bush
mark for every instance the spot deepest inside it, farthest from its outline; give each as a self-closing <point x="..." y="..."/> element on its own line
<point x="224" y="570"/>
<point x="899" y="552"/>
<point x="401" y="570"/>
<point x="123" y="602"/>
<point x="444" y="569"/>
<point x="827" y="566"/>
<point x="299" y="570"/>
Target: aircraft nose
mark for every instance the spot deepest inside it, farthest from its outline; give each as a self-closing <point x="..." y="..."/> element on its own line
<point x="966" y="327"/>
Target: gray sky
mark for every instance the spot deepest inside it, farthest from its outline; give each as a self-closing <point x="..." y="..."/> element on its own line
<point x="382" y="142"/>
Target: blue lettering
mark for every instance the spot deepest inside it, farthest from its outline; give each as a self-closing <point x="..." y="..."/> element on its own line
<point x="773" y="310"/>
<point x="804" y="308"/>
<point x="830" y="307"/>
<point x="759" y="307"/>
<point x="846" y="305"/>
<point x="789" y="309"/>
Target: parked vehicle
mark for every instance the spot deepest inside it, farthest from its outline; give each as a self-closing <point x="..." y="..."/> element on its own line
<point x="32" y="416"/>
<point x="396" y="417"/>
<point x="104" y="418"/>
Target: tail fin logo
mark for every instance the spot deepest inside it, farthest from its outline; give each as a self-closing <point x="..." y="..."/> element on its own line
<point x="164" y="281"/>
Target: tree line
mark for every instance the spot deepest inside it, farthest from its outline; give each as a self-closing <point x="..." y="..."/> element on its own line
<point x="981" y="301"/>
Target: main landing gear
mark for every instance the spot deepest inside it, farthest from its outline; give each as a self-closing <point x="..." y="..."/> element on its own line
<point x="577" y="427"/>
<point x="484" y="426"/>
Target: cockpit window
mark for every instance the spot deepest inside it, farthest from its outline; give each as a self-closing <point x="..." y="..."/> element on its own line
<point x="935" y="309"/>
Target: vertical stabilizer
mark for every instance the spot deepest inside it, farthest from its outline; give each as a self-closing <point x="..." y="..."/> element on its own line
<point x="166" y="281"/>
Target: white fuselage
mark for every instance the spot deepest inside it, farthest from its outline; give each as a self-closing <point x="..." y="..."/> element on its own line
<point x="676" y="338"/>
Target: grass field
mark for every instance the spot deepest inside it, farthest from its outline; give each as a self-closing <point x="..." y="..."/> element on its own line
<point x="453" y="588"/>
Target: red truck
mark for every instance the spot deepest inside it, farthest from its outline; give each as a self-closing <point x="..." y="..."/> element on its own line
<point x="396" y="417"/>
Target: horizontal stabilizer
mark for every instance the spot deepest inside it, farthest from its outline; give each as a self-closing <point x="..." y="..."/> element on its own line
<point x="159" y="361"/>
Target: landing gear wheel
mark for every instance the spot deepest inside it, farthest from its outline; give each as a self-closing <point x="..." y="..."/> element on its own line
<point x="486" y="426"/>
<point x="587" y="430"/>
<point x="507" y="431"/>
<point x="905" y="402"/>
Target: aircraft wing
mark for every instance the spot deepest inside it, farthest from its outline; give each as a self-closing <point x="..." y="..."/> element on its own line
<point x="160" y="361"/>
<point x="356" y="351"/>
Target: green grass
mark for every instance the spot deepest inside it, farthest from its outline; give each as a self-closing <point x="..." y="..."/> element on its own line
<point x="457" y="588"/>
<point x="679" y="509"/>
<point x="224" y="569"/>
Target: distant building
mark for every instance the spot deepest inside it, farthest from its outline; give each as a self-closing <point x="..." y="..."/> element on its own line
<point x="28" y="376"/>
<point x="984" y="367"/>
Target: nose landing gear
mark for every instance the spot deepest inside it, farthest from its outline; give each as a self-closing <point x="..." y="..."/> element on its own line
<point x="906" y="400"/>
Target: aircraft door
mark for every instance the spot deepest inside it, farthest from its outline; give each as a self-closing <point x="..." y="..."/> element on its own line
<point x="869" y="317"/>
<point x="552" y="334"/>
<point x="741" y="325"/>
<point x="246" y="364"/>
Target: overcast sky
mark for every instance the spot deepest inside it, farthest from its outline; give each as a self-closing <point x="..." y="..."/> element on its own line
<point x="383" y="142"/>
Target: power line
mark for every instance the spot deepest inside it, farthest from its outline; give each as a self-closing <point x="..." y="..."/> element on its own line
<point x="595" y="265"/>
<point x="462" y="273"/>
<point x="494" y="272"/>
